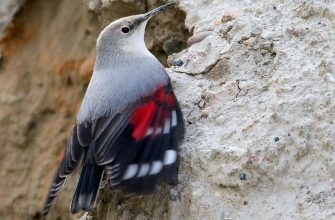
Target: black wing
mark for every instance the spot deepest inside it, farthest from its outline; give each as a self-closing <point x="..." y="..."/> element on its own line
<point x="135" y="149"/>
<point x="140" y="146"/>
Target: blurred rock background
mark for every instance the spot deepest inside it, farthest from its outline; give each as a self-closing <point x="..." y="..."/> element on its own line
<point x="257" y="87"/>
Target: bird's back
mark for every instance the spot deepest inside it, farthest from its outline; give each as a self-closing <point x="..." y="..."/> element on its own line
<point x="111" y="90"/>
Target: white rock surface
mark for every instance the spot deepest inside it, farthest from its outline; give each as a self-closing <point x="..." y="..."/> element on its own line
<point x="259" y="98"/>
<point x="268" y="112"/>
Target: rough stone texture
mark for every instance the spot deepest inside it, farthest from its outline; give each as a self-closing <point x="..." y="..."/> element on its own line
<point x="257" y="88"/>
<point x="46" y="56"/>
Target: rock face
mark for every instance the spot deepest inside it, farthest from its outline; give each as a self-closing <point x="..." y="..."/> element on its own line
<point x="256" y="85"/>
<point x="47" y="52"/>
<point x="260" y="107"/>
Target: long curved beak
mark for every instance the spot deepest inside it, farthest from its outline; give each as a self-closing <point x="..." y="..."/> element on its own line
<point x="157" y="10"/>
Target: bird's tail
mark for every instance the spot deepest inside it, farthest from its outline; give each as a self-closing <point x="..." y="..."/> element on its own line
<point x="53" y="192"/>
<point x="87" y="189"/>
<point x="72" y="156"/>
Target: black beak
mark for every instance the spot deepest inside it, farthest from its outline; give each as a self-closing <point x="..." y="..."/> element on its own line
<point x="157" y="10"/>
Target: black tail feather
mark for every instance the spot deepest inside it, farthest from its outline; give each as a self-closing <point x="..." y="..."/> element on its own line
<point x="53" y="192"/>
<point x="72" y="156"/>
<point x="87" y="188"/>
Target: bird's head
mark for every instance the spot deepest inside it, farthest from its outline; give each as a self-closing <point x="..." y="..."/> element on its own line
<point x="126" y="35"/>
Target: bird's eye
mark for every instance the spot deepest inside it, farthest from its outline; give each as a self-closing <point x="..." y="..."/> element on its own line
<point x="125" y="30"/>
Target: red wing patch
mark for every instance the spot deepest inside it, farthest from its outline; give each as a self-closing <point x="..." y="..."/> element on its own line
<point x="151" y="117"/>
<point x="142" y="119"/>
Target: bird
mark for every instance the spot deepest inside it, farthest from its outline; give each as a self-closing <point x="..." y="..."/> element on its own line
<point x="129" y="125"/>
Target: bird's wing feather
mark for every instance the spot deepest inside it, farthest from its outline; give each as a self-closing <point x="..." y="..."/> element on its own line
<point x="139" y="145"/>
<point x="71" y="158"/>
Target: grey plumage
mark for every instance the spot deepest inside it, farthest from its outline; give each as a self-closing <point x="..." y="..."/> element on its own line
<point x="108" y="89"/>
<point x="114" y="80"/>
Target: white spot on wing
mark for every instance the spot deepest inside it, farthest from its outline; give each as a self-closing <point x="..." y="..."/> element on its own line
<point x="149" y="131"/>
<point x="159" y="130"/>
<point x="166" y="126"/>
<point x="170" y="157"/>
<point x="130" y="172"/>
<point x="143" y="170"/>
<point x="174" y="118"/>
<point x="156" y="167"/>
